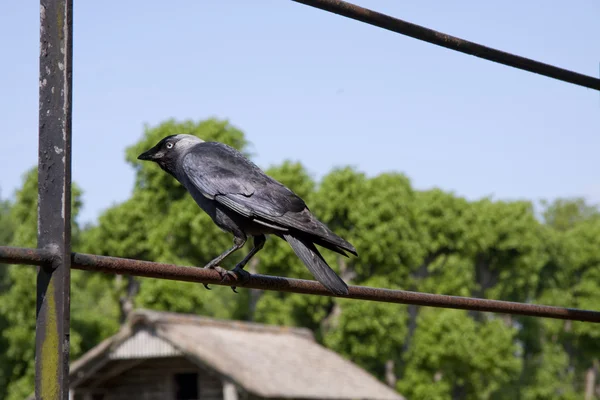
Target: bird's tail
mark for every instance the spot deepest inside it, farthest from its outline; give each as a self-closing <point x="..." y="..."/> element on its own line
<point x="333" y="242"/>
<point x="308" y="253"/>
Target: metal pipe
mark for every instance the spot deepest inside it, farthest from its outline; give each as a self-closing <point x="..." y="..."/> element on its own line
<point x="54" y="207"/>
<point x="19" y="255"/>
<point x="115" y="265"/>
<point x="148" y="269"/>
<point x="451" y="42"/>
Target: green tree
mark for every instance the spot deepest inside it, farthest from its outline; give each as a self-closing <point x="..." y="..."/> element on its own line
<point x="575" y="271"/>
<point x="6" y="224"/>
<point x="510" y="252"/>
<point x="564" y="214"/>
<point x="455" y="357"/>
<point x="565" y="349"/>
<point x="549" y="375"/>
<point x="6" y="234"/>
<point x="7" y="229"/>
<point x="18" y="303"/>
<point x="374" y="342"/>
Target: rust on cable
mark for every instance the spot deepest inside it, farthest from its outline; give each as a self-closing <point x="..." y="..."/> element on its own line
<point x="124" y="266"/>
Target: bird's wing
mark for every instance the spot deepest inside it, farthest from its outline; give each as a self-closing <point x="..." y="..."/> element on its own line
<point x="221" y="173"/>
<point x="215" y="170"/>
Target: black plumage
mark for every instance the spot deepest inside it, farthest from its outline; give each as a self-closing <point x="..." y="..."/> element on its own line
<point x="241" y="199"/>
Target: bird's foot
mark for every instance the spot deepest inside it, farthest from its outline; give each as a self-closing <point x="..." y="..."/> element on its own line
<point x="238" y="273"/>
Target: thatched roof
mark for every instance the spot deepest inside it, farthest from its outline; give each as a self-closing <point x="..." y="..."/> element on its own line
<point x="268" y="361"/>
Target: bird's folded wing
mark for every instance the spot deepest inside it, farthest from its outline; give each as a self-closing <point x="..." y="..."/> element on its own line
<point x="278" y="211"/>
<point x="214" y="171"/>
<point x="242" y="187"/>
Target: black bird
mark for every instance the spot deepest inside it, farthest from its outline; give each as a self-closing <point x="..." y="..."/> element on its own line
<point x="243" y="200"/>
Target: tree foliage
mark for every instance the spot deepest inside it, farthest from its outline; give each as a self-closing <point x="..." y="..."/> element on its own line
<point x="432" y="241"/>
<point x="18" y="299"/>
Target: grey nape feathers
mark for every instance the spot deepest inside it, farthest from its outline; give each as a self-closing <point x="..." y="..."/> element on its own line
<point x="243" y="200"/>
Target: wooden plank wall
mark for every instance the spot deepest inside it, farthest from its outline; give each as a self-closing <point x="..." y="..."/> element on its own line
<point x="152" y="379"/>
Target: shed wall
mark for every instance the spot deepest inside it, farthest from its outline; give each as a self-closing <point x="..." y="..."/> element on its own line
<point x="151" y="379"/>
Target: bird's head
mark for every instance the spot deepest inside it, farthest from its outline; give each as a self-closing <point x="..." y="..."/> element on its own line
<point x="169" y="149"/>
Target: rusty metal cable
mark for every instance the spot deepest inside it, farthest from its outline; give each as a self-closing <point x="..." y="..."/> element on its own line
<point x="451" y="42"/>
<point x="115" y="265"/>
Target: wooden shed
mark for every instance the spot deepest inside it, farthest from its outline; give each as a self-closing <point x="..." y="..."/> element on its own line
<point x="168" y="356"/>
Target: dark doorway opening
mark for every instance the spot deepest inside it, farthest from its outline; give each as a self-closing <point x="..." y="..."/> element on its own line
<point x="186" y="386"/>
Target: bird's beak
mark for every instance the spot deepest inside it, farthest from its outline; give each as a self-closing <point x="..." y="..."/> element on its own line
<point x="150" y="155"/>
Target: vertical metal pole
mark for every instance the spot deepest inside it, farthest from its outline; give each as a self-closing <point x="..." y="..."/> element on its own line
<point x="54" y="200"/>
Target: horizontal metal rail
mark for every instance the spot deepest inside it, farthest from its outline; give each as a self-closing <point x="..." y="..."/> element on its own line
<point x="21" y="255"/>
<point x="114" y="265"/>
<point x="451" y="42"/>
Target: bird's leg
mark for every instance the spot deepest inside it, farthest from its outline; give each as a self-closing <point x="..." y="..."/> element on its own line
<point x="238" y="243"/>
<point x="259" y="243"/>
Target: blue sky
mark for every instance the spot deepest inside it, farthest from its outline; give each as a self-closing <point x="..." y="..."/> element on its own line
<point x="307" y="85"/>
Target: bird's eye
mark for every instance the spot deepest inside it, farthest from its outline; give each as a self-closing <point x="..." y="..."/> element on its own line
<point x="169" y="145"/>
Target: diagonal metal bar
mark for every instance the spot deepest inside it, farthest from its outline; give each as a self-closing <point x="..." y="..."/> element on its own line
<point x="451" y="42"/>
<point x="54" y="207"/>
<point x="114" y="265"/>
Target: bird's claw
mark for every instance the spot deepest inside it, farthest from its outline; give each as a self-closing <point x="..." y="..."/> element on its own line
<point x="238" y="273"/>
<point x="242" y="274"/>
<point x="209" y="266"/>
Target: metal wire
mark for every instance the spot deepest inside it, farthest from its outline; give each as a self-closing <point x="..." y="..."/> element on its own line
<point x="451" y="42"/>
<point x="115" y="265"/>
